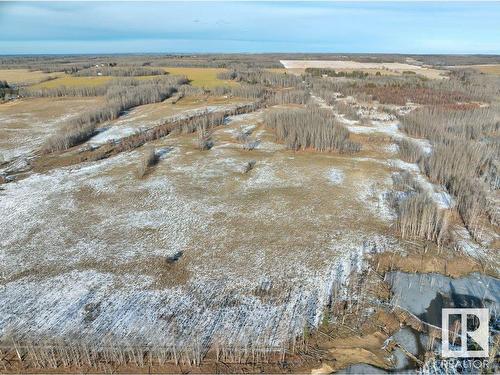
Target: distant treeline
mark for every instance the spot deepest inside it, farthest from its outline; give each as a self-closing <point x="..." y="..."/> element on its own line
<point x="241" y="91"/>
<point x="98" y="90"/>
<point x="266" y="78"/>
<point x="319" y="72"/>
<point x="54" y="92"/>
<point x="120" y="71"/>
<point x="71" y="64"/>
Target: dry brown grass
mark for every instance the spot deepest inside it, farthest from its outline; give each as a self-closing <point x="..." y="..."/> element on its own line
<point x="71" y="82"/>
<point x="121" y="95"/>
<point x="25" y="77"/>
<point x="488" y="69"/>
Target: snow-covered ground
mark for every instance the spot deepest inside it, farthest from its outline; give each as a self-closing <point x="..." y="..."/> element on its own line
<point x="381" y="123"/>
<point x="87" y="251"/>
<point x="354" y="65"/>
<point x="26" y="124"/>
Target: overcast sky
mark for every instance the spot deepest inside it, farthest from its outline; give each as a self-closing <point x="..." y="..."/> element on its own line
<point x="120" y="27"/>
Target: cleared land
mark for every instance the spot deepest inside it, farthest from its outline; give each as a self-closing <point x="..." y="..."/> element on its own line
<point x="25" y="77"/>
<point x="180" y="236"/>
<point x="372" y="68"/>
<point x="71" y="81"/>
<point x="202" y="207"/>
<point x="147" y="116"/>
<point x="486" y="68"/>
<point x="200" y="77"/>
<point x="26" y="124"/>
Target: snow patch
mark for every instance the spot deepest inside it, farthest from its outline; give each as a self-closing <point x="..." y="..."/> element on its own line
<point x="112" y="134"/>
<point x="335" y="176"/>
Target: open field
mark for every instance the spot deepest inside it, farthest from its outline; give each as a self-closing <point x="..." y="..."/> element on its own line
<point x="28" y="123"/>
<point x="200" y="77"/>
<point x="271" y="226"/>
<point x="487" y="68"/>
<point x="147" y="116"/>
<point x="203" y="207"/>
<point x="24" y="77"/>
<point x="70" y="81"/>
<point x="371" y="68"/>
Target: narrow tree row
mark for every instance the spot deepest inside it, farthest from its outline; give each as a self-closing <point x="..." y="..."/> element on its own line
<point x="132" y="71"/>
<point x="262" y="77"/>
<point x="240" y="91"/>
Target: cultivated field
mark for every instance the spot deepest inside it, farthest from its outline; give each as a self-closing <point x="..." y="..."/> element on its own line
<point x="25" y="77"/>
<point x="70" y="81"/>
<point x="486" y="68"/>
<point x="242" y="219"/>
<point x="389" y="68"/>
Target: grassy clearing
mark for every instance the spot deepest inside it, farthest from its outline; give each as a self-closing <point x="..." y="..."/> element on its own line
<point x="70" y="81"/>
<point x="277" y="70"/>
<point x="489" y="69"/>
<point x="202" y="77"/>
<point x="24" y="76"/>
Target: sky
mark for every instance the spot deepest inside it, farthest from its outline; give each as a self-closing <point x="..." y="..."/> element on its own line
<point x="203" y="27"/>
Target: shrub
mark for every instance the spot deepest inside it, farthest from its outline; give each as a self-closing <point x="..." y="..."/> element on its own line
<point x="204" y="138"/>
<point x="404" y="181"/>
<point x="149" y="159"/>
<point x="7" y="91"/>
<point x="248" y="142"/>
<point x="346" y="109"/>
<point x="409" y="151"/>
<point x="249" y="166"/>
